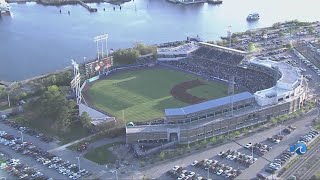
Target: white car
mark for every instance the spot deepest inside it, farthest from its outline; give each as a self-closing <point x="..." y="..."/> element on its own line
<point x="277" y="141"/>
<point x="248" y="145"/>
<point x="191" y="174"/>
<point x="209" y="162"/>
<point x="228" y="175"/>
<point x="229" y="156"/>
<point x="232" y="157"/>
<point x="219" y="172"/>
<point x="175" y="168"/>
<point x="194" y="163"/>
<point x="221" y="153"/>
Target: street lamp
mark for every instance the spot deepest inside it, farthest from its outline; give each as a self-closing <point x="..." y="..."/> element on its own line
<point x="78" y="158"/>
<point x="116" y="173"/>
<point x="21" y="136"/>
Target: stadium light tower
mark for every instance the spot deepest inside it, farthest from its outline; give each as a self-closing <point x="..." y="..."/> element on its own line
<point x="102" y="42"/>
<point x="231" y="91"/>
<point x="75" y="82"/>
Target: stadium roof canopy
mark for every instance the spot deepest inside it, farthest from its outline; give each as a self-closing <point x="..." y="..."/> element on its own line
<point x="207" y="105"/>
<point x="224" y="48"/>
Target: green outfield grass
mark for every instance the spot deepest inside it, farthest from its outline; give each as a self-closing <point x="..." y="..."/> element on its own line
<point x="144" y="94"/>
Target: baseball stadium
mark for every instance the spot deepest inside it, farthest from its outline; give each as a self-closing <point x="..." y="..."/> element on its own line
<point x="195" y="91"/>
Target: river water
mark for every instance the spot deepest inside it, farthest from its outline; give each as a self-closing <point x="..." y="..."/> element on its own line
<point x="37" y="39"/>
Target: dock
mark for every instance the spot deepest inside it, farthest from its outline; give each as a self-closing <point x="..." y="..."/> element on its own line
<point x="20" y="1"/>
<point x="90" y="9"/>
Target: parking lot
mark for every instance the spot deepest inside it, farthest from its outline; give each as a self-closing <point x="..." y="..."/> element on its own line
<point x="159" y="170"/>
<point x="25" y="151"/>
<point x="286" y="156"/>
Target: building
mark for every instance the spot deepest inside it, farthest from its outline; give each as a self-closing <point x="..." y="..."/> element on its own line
<point x="176" y="53"/>
<point x="207" y="119"/>
<point x="98" y="118"/>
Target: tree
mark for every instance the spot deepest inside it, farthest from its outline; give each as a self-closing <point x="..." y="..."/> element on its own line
<point x="63" y="79"/>
<point x="281" y="34"/>
<point x="22" y="95"/>
<point x="50" y="80"/>
<point x="236" y="133"/>
<point x="289" y="46"/>
<point x="213" y="140"/>
<point x="21" y="120"/>
<point x="188" y="148"/>
<point x="126" y="56"/>
<point x="274" y="121"/>
<point x="56" y="107"/>
<point x="144" y="49"/>
<point x="85" y="120"/>
<point x="162" y="155"/>
<point x="179" y="150"/>
<point x="251" y="47"/>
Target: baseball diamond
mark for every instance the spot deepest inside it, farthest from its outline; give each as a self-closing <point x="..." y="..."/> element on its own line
<point x="125" y="91"/>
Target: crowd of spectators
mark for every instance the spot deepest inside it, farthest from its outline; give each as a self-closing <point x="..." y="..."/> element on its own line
<point x="219" y="56"/>
<point x="251" y="77"/>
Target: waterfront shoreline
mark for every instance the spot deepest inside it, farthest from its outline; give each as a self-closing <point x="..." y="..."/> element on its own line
<point x="68" y="2"/>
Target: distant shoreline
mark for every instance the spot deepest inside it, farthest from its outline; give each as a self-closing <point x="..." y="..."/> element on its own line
<point x="68" y="2"/>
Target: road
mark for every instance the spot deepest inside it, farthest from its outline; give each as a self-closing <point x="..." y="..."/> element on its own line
<point x="158" y="170"/>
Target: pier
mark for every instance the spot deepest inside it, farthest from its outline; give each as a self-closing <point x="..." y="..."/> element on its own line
<point x="90" y="9"/>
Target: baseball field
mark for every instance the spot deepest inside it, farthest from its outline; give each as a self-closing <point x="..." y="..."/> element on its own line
<point x="143" y="94"/>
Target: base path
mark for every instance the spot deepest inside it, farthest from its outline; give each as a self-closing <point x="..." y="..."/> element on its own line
<point x="179" y="92"/>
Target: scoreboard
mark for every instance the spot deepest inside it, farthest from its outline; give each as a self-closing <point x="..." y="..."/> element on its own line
<point x="99" y="66"/>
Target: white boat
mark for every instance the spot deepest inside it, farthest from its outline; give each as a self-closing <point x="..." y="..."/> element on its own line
<point x="253" y="17"/>
<point x="4" y="7"/>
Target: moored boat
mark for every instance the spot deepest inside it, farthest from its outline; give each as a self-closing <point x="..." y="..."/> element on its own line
<point x="215" y="1"/>
<point x="253" y="17"/>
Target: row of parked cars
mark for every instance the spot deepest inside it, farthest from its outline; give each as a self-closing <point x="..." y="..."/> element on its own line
<point x="273" y="52"/>
<point x="44" y="157"/>
<point x="182" y="174"/>
<point x="258" y="148"/>
<point x="286" y="155"/>
<point x="82" y="146"/>
<point x="241" y="158"/>
<point x="27" y="130"/>
<point x="20" y="170"/>
<point x="218" y="168"/>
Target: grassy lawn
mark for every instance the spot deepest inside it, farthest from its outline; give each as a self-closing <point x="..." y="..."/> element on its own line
<point x="144" y="94"/>
<point x="206" y="91"/>
<point x="4" y="107"/>
<point x="101" y="155"/>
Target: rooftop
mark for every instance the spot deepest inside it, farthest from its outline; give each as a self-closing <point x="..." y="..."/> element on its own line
<point x="194" y="124"/>
<point x="96" y="116"/>
<point x="207" y="105"/>
<point x="290" y="74"/>
<point x="223" y="48"/>
<point x="182" y="48"/>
